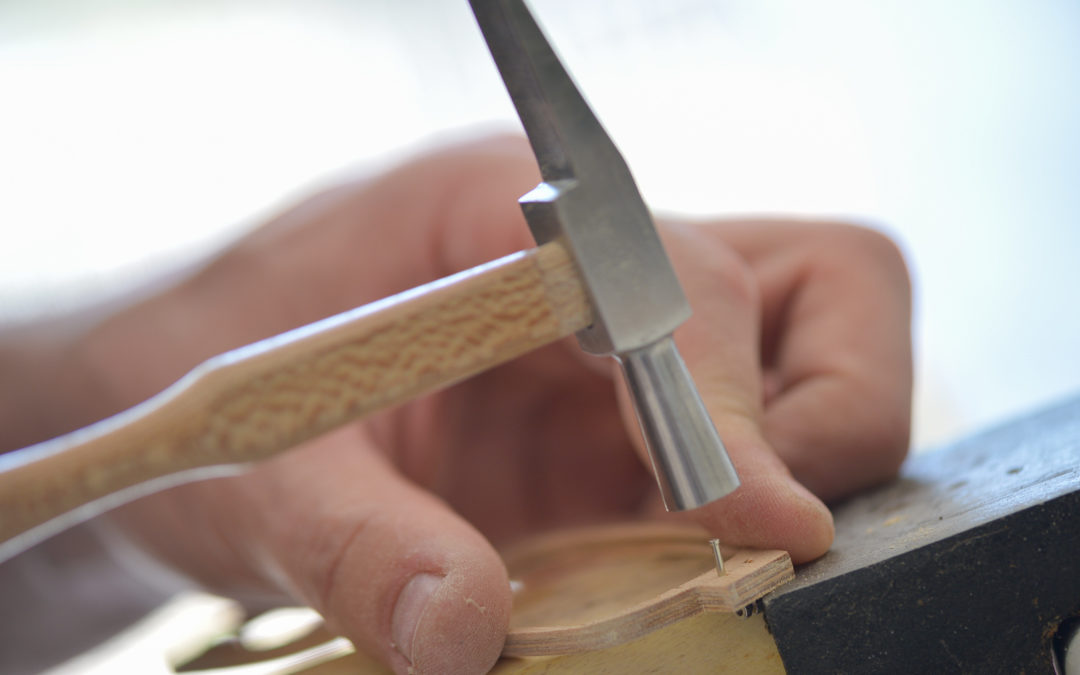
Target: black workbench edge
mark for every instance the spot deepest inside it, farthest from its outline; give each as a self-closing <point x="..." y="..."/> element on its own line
<point x="967" y="563"/>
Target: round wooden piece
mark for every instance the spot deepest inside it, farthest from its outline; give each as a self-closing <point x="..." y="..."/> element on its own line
<point x="599" y="587"/>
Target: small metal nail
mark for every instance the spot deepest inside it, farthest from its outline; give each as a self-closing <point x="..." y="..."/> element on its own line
<point x="715" y="543"/>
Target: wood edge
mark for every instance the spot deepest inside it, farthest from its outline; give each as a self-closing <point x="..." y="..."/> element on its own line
<point x="707" y="592"/>
<point x="773" y="568"/>
<point x="642" y="619"/>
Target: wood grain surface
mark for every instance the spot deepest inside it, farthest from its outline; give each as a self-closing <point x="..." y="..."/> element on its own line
<point x="599" y="587"/>
<point x="259" y="400"/>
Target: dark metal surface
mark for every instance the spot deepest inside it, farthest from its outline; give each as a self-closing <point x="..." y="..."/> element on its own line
<point x="967" y="563"/>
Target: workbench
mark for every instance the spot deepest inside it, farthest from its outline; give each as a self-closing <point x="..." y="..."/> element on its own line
<point x="966" y="563"/>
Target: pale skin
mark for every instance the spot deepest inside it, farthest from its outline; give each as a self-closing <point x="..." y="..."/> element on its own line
<point x="799" y="344"/>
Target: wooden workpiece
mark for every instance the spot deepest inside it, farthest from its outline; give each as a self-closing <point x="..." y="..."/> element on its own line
<point x="599" y="587"/>
<point x="259" y="400"/>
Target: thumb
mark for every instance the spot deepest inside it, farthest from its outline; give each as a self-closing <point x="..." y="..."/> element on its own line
<point x="721" y="346"/>
<point x="387" y="564"/>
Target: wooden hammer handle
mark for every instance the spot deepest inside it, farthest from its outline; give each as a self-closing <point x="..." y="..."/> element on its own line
<point x="256" y="401"/>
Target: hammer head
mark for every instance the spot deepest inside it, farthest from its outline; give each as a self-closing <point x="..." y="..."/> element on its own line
<point x="589" y="201"/>
<point x="588" y="197"/>
<point x="601" y="219"/>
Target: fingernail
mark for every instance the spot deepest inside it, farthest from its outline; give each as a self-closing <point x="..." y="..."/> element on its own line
<point x="409" y="609"/>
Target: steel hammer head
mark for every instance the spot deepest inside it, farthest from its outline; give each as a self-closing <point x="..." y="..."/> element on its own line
<point x="589" y="201"/>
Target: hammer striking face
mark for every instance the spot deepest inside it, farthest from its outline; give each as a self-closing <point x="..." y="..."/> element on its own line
<point x="588" y="200"/>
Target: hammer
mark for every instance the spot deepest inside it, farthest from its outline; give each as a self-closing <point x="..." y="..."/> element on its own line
<point x="599" y="271"/>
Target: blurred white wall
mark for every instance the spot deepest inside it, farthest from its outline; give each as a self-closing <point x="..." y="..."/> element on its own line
<point x="137" y="135"/>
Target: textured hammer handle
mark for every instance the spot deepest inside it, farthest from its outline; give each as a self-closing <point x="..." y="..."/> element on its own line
<point x="259" y="400"/>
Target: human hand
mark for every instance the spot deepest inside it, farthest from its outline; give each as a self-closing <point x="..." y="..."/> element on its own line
<point x="799" y="345"/>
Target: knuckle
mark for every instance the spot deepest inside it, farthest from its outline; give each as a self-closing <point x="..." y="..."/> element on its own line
<point x="470" y="165"/>
<point x="342" y="543"/>
<point x="318" y="574"/>
<point x="707" y="266"/>
<point x="858" y="242"/>
<point x="481" y="182"/>
<point x="734" y="275"/>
